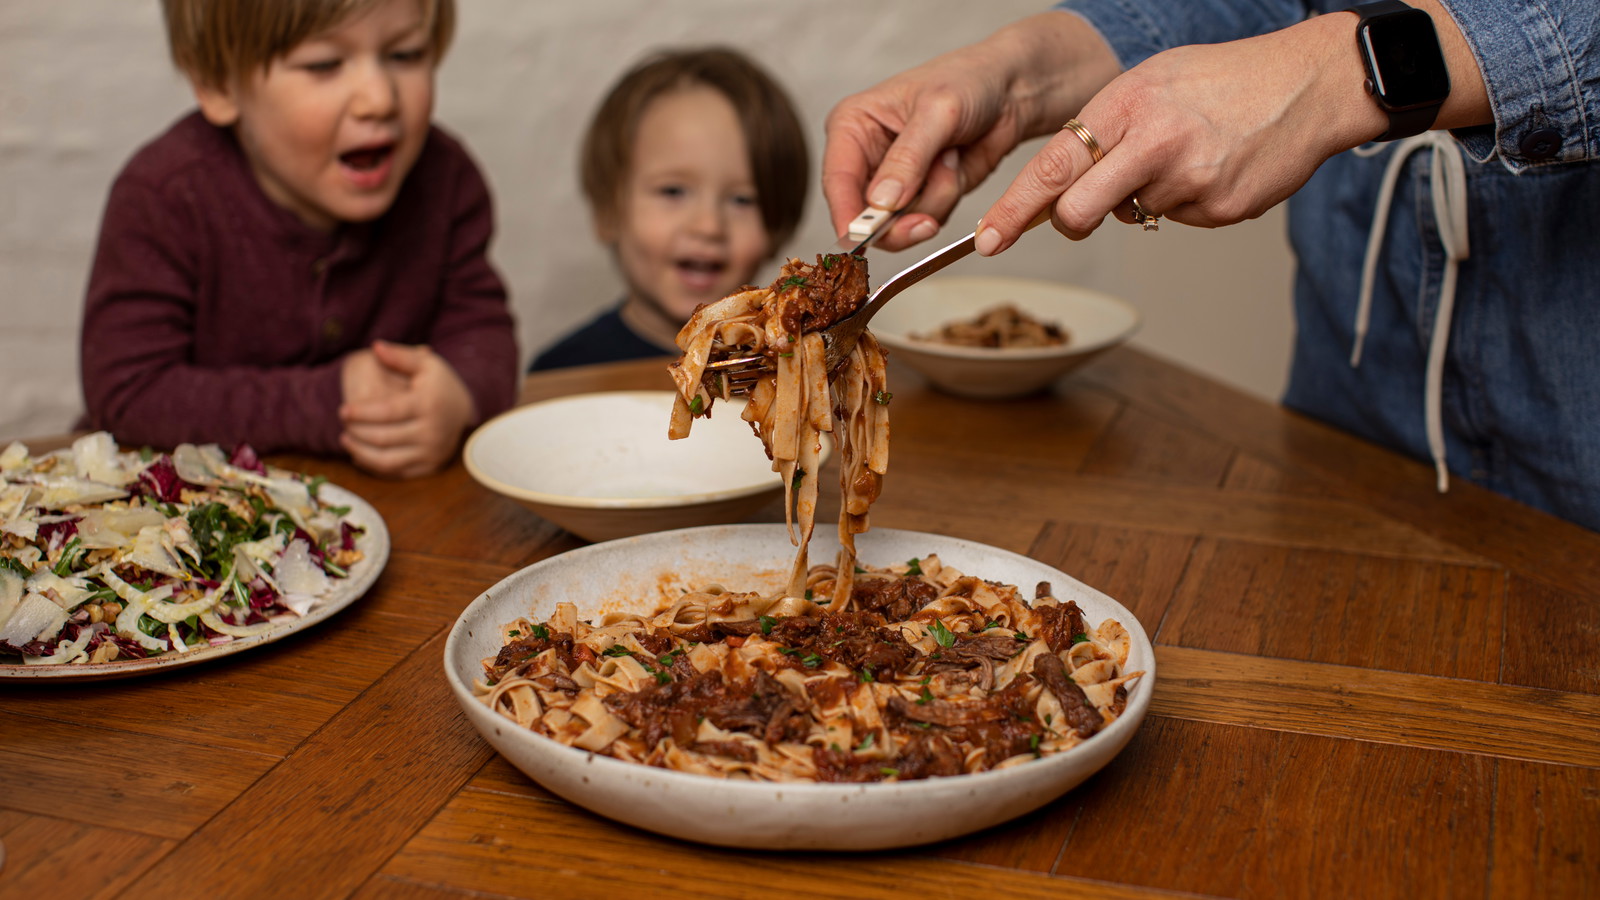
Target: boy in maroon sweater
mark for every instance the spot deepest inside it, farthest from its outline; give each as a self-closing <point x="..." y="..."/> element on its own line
<point x="303" y="263"/>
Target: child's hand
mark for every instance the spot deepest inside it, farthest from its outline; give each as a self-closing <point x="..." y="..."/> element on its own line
<point x="413" y="431"/>
<point x="364" y="379"/>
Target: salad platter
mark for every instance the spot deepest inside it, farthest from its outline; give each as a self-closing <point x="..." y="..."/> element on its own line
<point x="116" y="563"/>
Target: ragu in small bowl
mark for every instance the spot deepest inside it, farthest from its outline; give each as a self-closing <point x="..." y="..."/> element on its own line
<point x="1092" y="322"/>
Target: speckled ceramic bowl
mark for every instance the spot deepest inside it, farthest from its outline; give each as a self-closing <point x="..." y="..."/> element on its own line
<point x="601" y="466"/>
<point x="1094" y="323"/>
<point x="638" y="572"/>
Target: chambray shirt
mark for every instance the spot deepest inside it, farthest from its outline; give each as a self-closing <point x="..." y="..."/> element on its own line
<point x="1519" y="400"/>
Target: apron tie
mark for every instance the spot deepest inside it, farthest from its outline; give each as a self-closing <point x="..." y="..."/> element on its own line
<point x="1449" y="193"/>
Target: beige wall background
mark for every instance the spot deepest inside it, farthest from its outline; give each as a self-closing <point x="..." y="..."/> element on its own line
<point x="85" y="83"/>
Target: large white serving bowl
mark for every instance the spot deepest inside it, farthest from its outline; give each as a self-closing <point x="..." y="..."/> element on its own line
<point x="601" y="466"/>
<point x="1094" y="322"/>
<point x="641" y="573"/>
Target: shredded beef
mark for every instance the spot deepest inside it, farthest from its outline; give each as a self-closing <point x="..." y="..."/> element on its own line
<point x="830" y="290"/>
<point x="1061" y="624"/>
<point x="895" y="599"/>
<point x="1081" y="714"/>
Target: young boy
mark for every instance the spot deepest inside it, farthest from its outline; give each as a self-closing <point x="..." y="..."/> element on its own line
<point x="695" y="168"/>
<point x="303" y="263"/>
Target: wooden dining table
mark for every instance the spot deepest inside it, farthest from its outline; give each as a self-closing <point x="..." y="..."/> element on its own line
<point x="1365" y="688"/>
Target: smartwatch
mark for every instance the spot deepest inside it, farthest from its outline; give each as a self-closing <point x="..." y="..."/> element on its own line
<point x="1406" y="74"/>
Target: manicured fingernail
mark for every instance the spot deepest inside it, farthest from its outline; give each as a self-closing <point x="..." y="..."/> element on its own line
<point x="922" y="231"/>
<point x="886" y="195"/>
<point x="987" y="241"/>
<point x="950" y="159"/>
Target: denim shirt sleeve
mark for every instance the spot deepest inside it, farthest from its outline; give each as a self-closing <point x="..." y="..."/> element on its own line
<point x="1541" y="65"/>
<point x="1139" y="29"/>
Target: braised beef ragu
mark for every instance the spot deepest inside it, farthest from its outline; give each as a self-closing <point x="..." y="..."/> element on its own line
<point x="737" y="689"/>
<point x="829" y="290"/>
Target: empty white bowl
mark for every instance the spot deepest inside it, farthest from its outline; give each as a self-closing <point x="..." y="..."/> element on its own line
<point x="1094" y="323"/>
<point x="640" y="573"/>
<point x="601" y="466"/>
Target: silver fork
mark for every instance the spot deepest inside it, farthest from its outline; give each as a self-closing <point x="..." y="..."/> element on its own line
<point x="741" y="374"/>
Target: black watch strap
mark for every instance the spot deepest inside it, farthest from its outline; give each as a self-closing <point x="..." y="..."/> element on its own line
<point x="1406" y="122"/>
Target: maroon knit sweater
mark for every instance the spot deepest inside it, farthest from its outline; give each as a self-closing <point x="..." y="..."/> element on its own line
<point x="214" y="315"/>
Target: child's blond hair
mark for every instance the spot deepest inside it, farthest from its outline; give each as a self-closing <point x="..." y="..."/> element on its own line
<point x="217" y="42"/>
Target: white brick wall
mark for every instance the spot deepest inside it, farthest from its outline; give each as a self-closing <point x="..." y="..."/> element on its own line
<point x="85" y="82"/>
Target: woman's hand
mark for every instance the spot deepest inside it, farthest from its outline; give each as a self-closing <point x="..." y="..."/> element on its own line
<point x="942" y="127"/>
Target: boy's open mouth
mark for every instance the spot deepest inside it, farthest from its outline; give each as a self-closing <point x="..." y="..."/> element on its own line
<point x="701" y="266"/>
<point x="367" y="158"/>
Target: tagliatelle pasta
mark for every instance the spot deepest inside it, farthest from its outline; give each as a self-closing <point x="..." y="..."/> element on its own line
<point x="792" y="407"/>
<point x="929" y="672"/>
<point x="850" y="673"/>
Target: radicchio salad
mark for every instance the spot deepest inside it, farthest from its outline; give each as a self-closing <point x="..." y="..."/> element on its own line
<point x="112" y="555"/>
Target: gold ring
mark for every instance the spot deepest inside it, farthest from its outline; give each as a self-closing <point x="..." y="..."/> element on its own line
<point x="1141" y="216"/>
<point x="1083" y="133"/>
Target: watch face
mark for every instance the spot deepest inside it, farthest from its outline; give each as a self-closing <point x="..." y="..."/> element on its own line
<point x="1406" y="65"/>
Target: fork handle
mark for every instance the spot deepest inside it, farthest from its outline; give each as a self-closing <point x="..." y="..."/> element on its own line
<point x="932" y="263"/>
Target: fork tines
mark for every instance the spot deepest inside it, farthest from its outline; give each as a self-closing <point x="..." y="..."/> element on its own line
<point x="735" y="377"/>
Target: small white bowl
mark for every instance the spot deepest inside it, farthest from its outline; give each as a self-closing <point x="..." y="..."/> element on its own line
<point x="601" y="466"/>
<point x="638" y="574"/>
<point x="1094" y="323"/>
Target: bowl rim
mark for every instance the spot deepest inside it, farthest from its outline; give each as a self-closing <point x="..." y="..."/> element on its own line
<point x="899" y="341"/>
<point x="574" y="502"/>
<point x="1117" y="733"/>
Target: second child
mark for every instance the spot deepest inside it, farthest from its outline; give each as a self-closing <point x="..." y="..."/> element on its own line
<point x="695" y="168"/>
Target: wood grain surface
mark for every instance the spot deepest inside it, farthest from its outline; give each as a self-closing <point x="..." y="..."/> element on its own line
<point x="1365" y="688"/>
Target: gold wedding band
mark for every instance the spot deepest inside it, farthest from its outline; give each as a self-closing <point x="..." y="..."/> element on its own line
<point x="1083" y="133"/>
<point x="1141" y="216"/>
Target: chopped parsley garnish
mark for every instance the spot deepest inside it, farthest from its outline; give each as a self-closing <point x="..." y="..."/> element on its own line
<point x="697" y="405"/>
<point x="914" y="567"/>
<point x="618" y="650"/>
<point x="812" y="660"/>
<point x="766" y="624"/>
<point x="799" y="476"/>
<point x="794" y="281"/>
<point x="540" y="632"/>
<point x="1022" y="636"/>
<point x="882" y="398"/>
<point x="943" y="635"/>
<point x="888" y="772"/>
<point x="1080" y="639"/>
<point x="927" y="695"/>
<point x="866" y="741"/>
